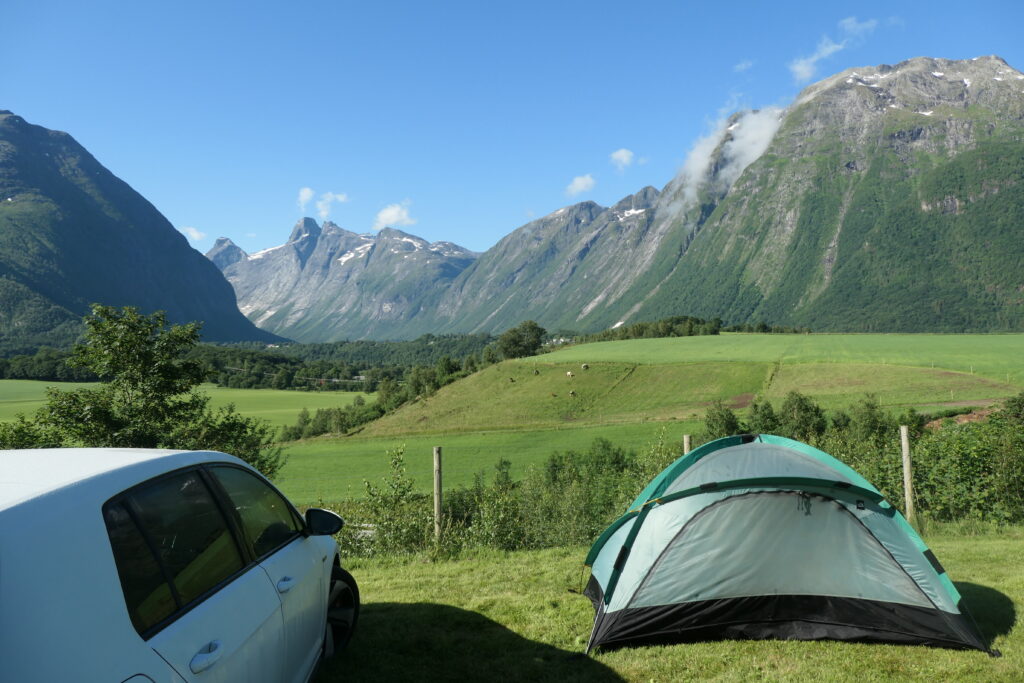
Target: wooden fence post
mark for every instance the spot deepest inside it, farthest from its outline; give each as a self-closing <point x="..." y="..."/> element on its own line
<point x="437" y="493"/>
<point x="908" y="478"/>
<point x="686" y="444"/>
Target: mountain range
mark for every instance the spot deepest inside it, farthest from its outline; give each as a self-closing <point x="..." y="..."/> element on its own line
<point x="72" y="233"/>
<point x="886" y="198"/>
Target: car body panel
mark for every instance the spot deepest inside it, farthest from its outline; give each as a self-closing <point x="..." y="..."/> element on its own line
<point x="62" y="607"/>
<point x="301" y="564"/>
<point x="245" y="619"/>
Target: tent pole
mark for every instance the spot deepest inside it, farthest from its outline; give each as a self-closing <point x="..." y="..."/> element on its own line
<point x="686" y="444"/>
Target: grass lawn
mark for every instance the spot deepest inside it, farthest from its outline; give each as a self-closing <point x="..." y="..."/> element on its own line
<point x="334" y="469"/>
<point x="511" y="396"/>
<point x="25" y="396"/>
<point x="996" y="356"/>
<point x="277" y="407"/>
<point x="511" y="617"/>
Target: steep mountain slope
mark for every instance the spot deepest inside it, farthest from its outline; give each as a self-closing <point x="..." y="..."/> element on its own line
<point x="890" y="199"/>
<point x="71" y="233"/>
<point x="327" y="283"/>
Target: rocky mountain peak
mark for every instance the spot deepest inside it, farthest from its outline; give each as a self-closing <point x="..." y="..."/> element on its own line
<point x="307" y="227"/>
<point x="642" y="200"/>
<point x="225" y="252"/>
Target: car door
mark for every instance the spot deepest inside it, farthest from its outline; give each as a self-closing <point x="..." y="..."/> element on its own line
<point x="191" y="591"/>
<point x="295" y="563"/>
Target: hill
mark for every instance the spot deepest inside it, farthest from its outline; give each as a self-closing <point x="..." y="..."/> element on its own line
<point x="72" y="234"/>
<point x="639" y="391"/>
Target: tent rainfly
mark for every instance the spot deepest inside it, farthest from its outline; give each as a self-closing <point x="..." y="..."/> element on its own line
<point x="759" y="536"/>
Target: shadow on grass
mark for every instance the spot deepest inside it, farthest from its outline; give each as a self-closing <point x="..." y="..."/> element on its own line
<point x="429" y="642"/>
<point x="992" y="611"/>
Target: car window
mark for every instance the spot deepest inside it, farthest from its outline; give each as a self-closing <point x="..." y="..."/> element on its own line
<point x="146" y="593"/>
<point x="188" y="532"/>
<point x="266" y="517"/>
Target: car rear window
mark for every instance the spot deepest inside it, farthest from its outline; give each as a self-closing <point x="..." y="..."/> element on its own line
<point x="146" y="593"/>
<point x="171" y="545"/>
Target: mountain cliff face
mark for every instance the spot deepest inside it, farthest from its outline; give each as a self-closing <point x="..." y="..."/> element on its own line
<point x="71" y="234"/>
<point x="885" y="198"/>
<point x="891" y="198"/>
<point x="328" y="283"/>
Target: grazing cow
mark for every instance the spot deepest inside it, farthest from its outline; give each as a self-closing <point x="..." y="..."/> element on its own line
<point x="573" y="394"/>
<point x="536" y="371"/>
<point x="569" y="374"/>
<point x="586" y="367"/>
<point x="554" y="395"/>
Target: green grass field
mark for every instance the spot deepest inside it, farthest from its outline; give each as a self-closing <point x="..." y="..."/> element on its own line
<point x="996" y="356"/>
<point x="511" y="617"/>
<point x="523" y="410"/>
<point x="277" y="407"/>
<point x="334" y="469"/>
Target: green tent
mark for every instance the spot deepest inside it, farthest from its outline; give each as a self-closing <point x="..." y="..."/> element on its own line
<point x="759" y="536"/>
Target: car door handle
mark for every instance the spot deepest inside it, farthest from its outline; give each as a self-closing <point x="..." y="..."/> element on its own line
<point x="285" y="584"/>
<point x="206" y="657"/>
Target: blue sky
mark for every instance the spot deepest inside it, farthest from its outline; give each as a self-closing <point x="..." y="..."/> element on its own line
<point x="454" y="121"/>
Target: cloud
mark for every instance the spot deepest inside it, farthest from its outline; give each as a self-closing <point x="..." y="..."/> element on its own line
<point x="394" y="215"/>
<point x="193" y="234"/>
<point x="698" y="161"/>
<point x="853" y="32"/>
<point x="323" y="204"/>
<point x="857" y="29"/>
<point x="581" y="183"/>
<point x="305" y="194"/>
<point x="751" y="135"/>
<point x="804" y="68"/>
<point x="622" y="158"/>
<point x="743" y="66"/>
<point x="742" y="143"/>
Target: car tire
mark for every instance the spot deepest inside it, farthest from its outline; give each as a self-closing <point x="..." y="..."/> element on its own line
<point x="342" y="611"/>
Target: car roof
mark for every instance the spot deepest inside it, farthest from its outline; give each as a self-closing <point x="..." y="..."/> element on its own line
<point x="29" y="474"/>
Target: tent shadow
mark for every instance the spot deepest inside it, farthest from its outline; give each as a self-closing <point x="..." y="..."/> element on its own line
<point x="431" y="642"/>
<point x="992" y="611"/>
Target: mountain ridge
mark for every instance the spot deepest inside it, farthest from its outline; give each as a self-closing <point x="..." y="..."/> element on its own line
<point x="855" y="208"/>
<point x="72" y="233"/>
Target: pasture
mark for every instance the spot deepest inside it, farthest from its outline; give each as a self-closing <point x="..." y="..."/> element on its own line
<point x="511" y="616"/>
<point x="997" y="356"/>
<point x="277" y="407"/>
<point x="332" y="469"/>
<point x="523" y="410"/>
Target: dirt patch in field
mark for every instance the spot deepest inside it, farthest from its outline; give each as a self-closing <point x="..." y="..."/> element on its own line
<point x="741" y="401"/>
<point x="973" y="416"/>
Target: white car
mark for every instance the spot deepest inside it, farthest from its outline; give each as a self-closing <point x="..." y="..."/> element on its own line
<point x="159" y="566"/>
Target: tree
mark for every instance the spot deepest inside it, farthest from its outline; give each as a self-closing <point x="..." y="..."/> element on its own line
<point x="762" y="419"/>
<point x="719" y="421"/>
<point x="147" y="397"/>
<point x="522" y="340"/>
<point x="801" y="418"/>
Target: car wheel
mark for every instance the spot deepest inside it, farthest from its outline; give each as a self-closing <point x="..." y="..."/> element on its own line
<point x="342" y="611"/>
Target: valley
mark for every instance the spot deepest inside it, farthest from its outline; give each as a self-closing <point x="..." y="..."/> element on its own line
<point x="639" y="391"/>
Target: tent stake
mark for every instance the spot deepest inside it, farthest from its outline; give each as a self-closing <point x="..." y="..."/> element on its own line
<point x="908" y="480"/>
<point x="686" y="444"/>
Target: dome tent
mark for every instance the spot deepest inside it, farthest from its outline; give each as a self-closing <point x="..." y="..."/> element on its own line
<point x="759" y="536"/>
